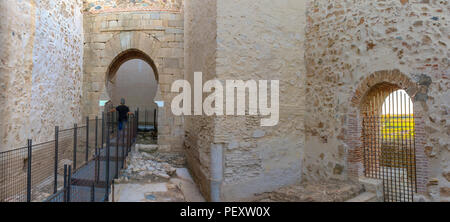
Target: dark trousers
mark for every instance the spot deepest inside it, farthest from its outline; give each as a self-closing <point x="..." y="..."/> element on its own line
<point x="122" y="124"/>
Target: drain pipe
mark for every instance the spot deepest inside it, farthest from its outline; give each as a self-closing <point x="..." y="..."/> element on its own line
<point x="216" y="171"/>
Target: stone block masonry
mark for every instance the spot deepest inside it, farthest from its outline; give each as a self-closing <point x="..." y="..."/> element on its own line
<point x="58" y="58"/>
<point x="351" y="47"/>
<point x="158" y="36"/>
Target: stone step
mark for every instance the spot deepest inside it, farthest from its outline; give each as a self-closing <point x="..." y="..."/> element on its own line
<point x="364" y="197"/>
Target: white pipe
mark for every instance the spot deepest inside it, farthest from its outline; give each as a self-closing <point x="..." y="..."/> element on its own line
<point x="216" y="171"/>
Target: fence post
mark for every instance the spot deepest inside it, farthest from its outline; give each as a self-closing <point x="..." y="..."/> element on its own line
<point x="136" y="120"/>
<point x="55" y="185"/>
<point x="123" y="146"/>
<point x="69" y="183"/>
<point x="117" y="152"/>
<point x="126" y="129"/>
<point x="65" y="183"/>
<point x="103" y="129"/>
<point x="128" y="134"/>
<point x="107" y="163"/>
<point x="96" y="134"/>
<point x="75" y="129"/>
<point x="137" y="116"/>
<point x="30" y="146"/>
<point x="93" y="193"/>
<point x="96" y="150"/>
<point x="87" y="139"/>
<point x="156" y="121"/>
<point x="146" y="114"/>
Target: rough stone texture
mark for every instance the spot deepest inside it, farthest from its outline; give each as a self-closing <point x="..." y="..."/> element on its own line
<point x="352" y="45"/>
<point x="260" y="42"/>
<point x="330" y="191"/>
<point x="253" y="42"/>
<point x="155" y="177"/>
<point x="331" y="52"/>
<point x="41" y="69"/>
<point x="57" y="68"/>
<point x="200" y="54"/>
<point x="98" y="6"/>
<point x="116" y="36"/>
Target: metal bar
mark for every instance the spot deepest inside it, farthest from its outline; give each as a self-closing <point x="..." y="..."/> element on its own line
<point x="65" y="183"/>
<point x="30" y="147"/>
<point x="394" y="156"/>
<point x="401" y="157"/>
<point x="75" y="129"/>
<point x="154" y="119"/>
<point x="103" y="129"/>
<point x="156" y="122"/>
<point x="69" y="183"/>
<point x="414" y="151"/>
<point x="372" y="141"/>
<point x="55" y="175"/>
<point x="96" y="166"/>
<point x="117" y="153"/>
<point x="397" y="150"/>
<point x="107" y="163"/>
<point x="137" y="116"/>
<point x="96" y="135"/>
<point x="123" y="147"/>
<point x="377" y="134"/>
<point x="87" y="139"/>
<point x="388" y="131"/>
<point x="364" y="144"/>
<point x="410" y="144"/>
<point x="93" y="193"/>
<point x="128" y="135"/>
<point x="405" y="138"/>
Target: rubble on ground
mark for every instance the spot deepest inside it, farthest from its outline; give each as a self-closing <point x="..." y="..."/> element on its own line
<point x="330" y="191"/>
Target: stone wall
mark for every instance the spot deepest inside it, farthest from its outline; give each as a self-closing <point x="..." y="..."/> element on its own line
<point x="57" y="67"/>
<point x="352" y="45"/>
<point x="259" y="40"/>
<point x="116" y="36"/>
<point x="262" y="40"/>
<point x="200" y="56"/>
<point x="41" y="69"/>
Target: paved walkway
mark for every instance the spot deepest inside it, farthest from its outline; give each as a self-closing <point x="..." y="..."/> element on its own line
<point x="90" y="179"/>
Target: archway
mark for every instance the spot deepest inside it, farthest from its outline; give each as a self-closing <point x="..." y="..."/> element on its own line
<point x="391" y="80"/>
<point x="133" y="76"/>
<point x="388" y="140"/>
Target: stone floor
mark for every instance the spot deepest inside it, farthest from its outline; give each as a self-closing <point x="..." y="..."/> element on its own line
<point x="330" y="191"/>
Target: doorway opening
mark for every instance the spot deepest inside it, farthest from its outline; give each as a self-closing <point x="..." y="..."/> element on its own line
<point x="388" y="140"/>
<point x="133" y="77"/>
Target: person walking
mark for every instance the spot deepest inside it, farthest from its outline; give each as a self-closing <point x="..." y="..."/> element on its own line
<point x="123" y="111"/>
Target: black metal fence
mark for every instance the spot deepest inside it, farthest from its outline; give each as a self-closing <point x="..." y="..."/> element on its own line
<point x="78" y="165"/>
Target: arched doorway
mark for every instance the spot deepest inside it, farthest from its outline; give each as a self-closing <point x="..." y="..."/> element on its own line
<point x="388" y="140"/>
<point x="135" y="82"/>
<point x="133" y="76"/>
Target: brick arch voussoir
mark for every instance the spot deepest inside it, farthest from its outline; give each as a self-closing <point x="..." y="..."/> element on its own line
<point x="386" y="76"/>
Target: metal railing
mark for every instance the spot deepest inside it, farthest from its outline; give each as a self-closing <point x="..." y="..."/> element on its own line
<point x="78" y="165"/>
